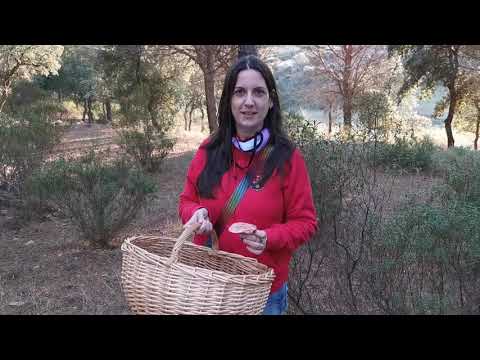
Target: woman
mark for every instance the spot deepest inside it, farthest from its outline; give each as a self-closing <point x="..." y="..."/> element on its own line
<point x="250" y="155"/>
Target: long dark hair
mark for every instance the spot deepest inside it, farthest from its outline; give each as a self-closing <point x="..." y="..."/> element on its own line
<point x="219" y="146"/>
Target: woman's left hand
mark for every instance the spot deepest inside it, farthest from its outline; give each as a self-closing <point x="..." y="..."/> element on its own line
<point x="256" y="242"/>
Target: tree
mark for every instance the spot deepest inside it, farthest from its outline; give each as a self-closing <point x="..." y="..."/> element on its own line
<point x="322" y="93"/>
<point x="428" y="66"/>
<point x="468" y="108"/>
<point x="193" y="99"/>
<point x="105" y="81"/>
<point x="244" y="50"/>
<point x="145" y="83"/>
<point x="24" y="62"/>
<point x="349" y="67"/>
<point x="77" y="80"/>
<point x="470" y="62"/>
<point x="210" y="59"/>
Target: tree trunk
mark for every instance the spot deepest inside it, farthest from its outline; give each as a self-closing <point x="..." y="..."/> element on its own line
<point x="155" y="124"/>
<point x="347" y="113"/>
<point x="330" y="120"/>
<point x="104" y="112"/>
<point x="451" y="111"/>
<point x="209" y="78"/>
<point x="3" y="100"/>
<point x="85" y="110"/>
<point x="347" y="88"/>
<point x="202" y="118"/>
<point x="247" y="50"/>
<point x="477" y="130"/>
<point x="190" y="118"/>
<point x="185" y="117"/>
<point x="108" y="107"/>
<point x="91" y="119"/>
<point x="453" y="58"/>
<point x="6" y="86"/>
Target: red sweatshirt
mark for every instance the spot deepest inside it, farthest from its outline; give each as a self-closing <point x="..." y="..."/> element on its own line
<point x="283" y="208"/>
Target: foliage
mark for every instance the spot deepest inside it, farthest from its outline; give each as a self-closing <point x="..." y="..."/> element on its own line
<point x="425" y="65"/>
<point x="24" y="62"/>
<point x="418" y="256"/>
<point x="100" y="195"/>
<point x="425" y="260"/>
<point x="404" y="153"/>
<point x="375" y="113"/>
<point x="146" y="83"/>
<point x="300" y="130"/>
<point x="461" y="170"/>
<point x="146" y="147"/>
<point x="24" y="140"/>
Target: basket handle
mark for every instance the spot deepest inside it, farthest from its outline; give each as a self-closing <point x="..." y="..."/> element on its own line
<point x="187" y="233"/>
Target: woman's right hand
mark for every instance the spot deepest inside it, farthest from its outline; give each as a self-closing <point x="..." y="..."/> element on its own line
<point x="200" y="216"/>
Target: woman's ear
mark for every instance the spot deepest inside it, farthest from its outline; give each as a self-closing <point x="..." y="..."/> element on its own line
<point x="271" y="104"/>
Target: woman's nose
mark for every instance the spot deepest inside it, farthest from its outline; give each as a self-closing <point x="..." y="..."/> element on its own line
<point x="249" y="100"/>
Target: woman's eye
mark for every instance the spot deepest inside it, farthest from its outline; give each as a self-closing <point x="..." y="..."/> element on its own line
<point x="259" y="92"/>
<point x="239" y="92"/>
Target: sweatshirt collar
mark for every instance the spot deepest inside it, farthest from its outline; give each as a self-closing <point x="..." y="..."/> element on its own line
<point x="257" y="142"/>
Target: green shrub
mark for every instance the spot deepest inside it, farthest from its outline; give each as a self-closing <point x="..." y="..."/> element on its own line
<point x="100" y="196"/>
<point x="331" y="166"/>
<point x="370" y="257"/>
<point x="375" y="113"/>
<point x="147" y="148"/>
<point x="300" y="130"/>
<point x="404" y="153"/>
<point x="24" y="140"/>
<point x="426" y="256"/>
<point x="460" y="168"/>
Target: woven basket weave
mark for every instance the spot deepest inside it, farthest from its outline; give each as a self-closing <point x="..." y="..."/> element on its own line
<point x="171" y="276"/>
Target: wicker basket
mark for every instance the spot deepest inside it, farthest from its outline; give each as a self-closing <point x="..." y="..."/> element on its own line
<point x="171" y="276"/>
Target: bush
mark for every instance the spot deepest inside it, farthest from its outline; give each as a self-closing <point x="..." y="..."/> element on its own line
<point x="24" y="140"/>
<point x="460" y="168"/>
<point x="101" y="196"/>
<point x="300" y="130"/>
<point x="426" y="259"/>
<point x="332" y="171"/>
<point x="423" y="258"/>
<point x="404" y="153"/>
<point x="146" y="148"/>
<point x="375" y="113"/>
<point x="326" y="272"/>
<point x="329" y="163"/>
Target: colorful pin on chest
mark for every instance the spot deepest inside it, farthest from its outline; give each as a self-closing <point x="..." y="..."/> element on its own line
<point x="256" y="183"/>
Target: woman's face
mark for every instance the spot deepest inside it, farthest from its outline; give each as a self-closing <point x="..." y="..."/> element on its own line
<point x="250" y="103"/>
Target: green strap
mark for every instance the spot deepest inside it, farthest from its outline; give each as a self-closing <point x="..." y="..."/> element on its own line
<point x="242" y="187"/>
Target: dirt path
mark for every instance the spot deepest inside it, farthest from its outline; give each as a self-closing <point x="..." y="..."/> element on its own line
<point x="46" y="267"/>
<point x="83" y="136"/>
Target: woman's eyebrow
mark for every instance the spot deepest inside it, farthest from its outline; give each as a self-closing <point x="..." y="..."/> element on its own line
<point x="256" y="87"/>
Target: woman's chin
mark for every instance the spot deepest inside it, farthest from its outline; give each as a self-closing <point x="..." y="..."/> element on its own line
<point x="246" y="127"/>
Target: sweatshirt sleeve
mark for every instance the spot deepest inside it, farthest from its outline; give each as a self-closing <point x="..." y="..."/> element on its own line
<point x="189" y="200"/>
<point x="301" y="220"/>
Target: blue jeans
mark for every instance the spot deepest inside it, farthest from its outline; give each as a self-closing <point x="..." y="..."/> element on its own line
<point x="277" y="303"/>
